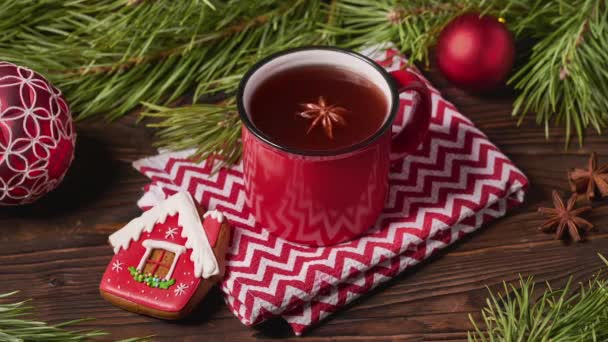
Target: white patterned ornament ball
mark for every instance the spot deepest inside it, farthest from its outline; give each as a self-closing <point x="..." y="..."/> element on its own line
<point x="37" y="136"/>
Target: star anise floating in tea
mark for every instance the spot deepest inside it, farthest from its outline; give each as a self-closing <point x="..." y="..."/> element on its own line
<point x="324" y="114"/>
<point x="589" y="180"/>
<point x="564" y="218"/>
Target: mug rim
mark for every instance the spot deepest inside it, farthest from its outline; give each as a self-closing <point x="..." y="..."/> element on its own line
<point x="392" y="113"/>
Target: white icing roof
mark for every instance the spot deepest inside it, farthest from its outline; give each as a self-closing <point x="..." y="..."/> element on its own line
<point x="205" y="264"/>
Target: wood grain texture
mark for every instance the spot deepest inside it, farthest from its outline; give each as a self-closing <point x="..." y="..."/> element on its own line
<point x="55" y="251"/>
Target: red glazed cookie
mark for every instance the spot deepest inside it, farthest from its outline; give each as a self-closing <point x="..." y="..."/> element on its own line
<point x="166" y="260"/>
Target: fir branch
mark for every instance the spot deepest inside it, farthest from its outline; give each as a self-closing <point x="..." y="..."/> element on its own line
<point x="565" y="80"/>
<point x="16" y="326"/>
<point x="412" y="25"/>
<point x="110" y="58"/>
<point x="557" y="315"/>
<point x="140" y="57"/>
<point x="213" y="129"/>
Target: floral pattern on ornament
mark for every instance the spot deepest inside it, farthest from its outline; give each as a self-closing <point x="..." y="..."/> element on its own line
<point x="37" y="135"/>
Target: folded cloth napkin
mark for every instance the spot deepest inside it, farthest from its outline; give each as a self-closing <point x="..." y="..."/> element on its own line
<point x="455" y="182"/>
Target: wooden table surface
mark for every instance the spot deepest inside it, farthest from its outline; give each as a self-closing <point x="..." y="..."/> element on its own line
<point x="56" y="250"/>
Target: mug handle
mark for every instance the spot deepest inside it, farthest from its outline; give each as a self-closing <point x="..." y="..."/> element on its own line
<point x="417" y="124"/>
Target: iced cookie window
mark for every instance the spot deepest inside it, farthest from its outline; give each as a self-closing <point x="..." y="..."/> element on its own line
<point x="160" y="258"/>
<point x="159" y="263"/>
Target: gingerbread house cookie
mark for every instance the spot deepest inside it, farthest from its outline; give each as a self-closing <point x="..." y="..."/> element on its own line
<point x="166" y="260"/>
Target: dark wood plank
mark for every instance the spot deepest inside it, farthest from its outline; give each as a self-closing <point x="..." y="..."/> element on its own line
<point x="55" y="251"/>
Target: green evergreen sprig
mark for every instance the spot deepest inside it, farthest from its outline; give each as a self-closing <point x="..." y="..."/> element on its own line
<point x="212" y="129"/>
<point x="109" y="56"/>
<point x="557" y="315"/>
<point x="17" y="326"/>
<point x="412" y="25"/>
<point x="566" y="78"/>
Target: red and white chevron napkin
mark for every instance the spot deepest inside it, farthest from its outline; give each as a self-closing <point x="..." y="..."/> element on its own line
<point x="455" y="182"/>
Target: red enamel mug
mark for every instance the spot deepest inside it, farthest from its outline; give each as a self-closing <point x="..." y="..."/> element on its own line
<point x="322" y="198"/>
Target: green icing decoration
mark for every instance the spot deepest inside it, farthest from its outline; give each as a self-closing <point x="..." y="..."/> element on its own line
<point x="150" y="280"/>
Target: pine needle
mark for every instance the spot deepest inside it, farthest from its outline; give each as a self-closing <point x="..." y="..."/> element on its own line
<point x="16" y="326"/>
<point x="215" y="129"/>
<point x="565" y="77"/>
<point x="558" y="315"/>
<point x="109" y="56"/>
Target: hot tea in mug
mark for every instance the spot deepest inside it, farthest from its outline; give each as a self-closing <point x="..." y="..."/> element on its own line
<point x="318" y="107"/>
<point x="317" y="141"/>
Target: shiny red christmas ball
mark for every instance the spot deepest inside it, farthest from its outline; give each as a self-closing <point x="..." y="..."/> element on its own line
<point x="37" y="135"/>
<point x="475" y="52"/>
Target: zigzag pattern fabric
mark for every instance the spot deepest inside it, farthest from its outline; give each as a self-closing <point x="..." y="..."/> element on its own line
<point x="455" y="182"/>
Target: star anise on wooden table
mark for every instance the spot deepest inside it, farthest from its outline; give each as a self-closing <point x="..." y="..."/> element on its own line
<point x="324" y="114"/>
<point x="565" y="217"/>
<point x="588" y="180"/>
